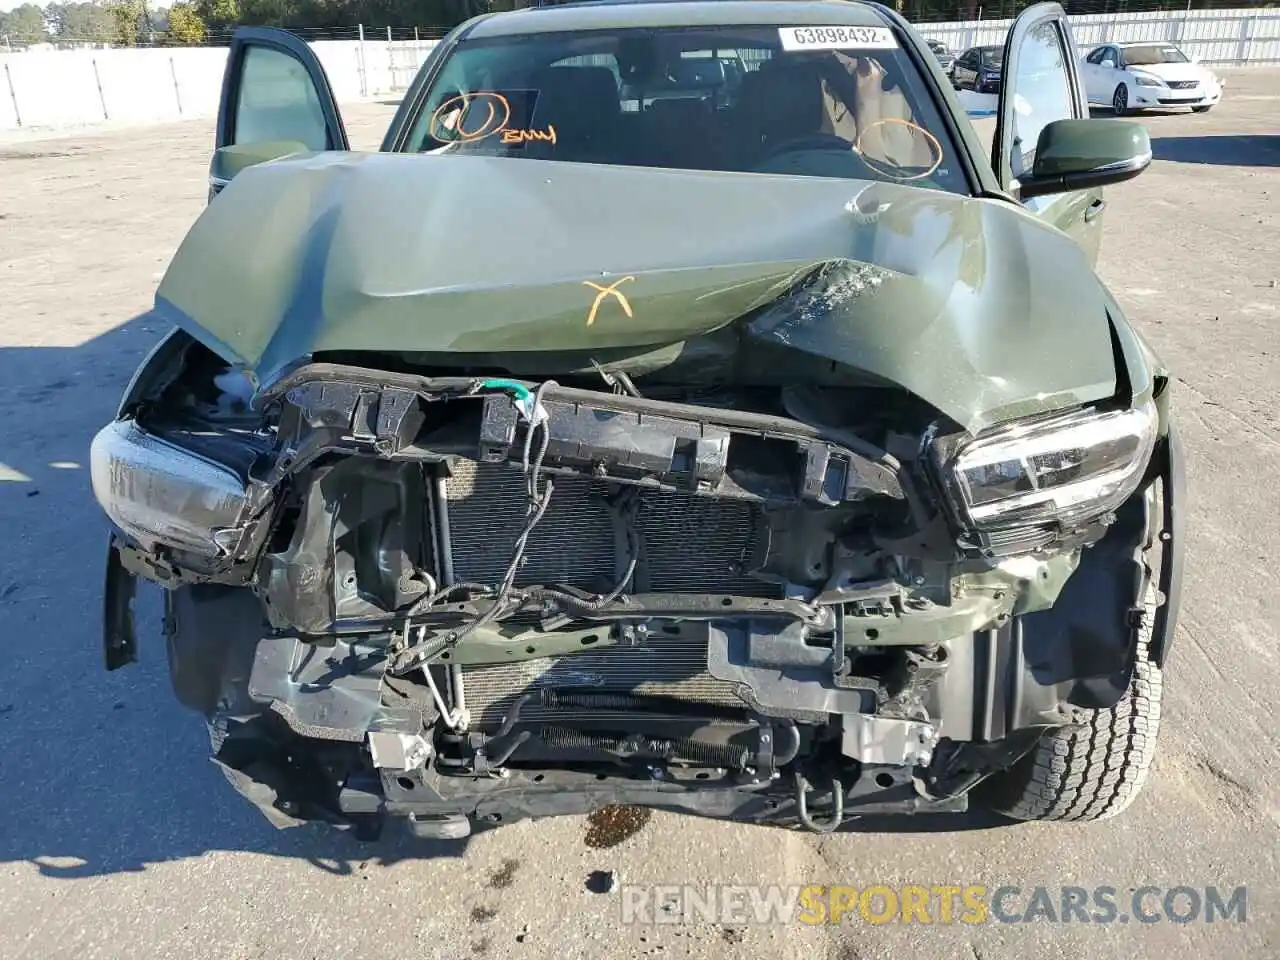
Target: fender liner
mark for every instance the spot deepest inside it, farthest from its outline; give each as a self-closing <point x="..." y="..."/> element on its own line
<point x="119" y="634"/>
<point x="1173" y="473"/>
<point x="1047" y="668"/>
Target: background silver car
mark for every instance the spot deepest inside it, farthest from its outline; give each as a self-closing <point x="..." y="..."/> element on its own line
<point x="943" y="54"/>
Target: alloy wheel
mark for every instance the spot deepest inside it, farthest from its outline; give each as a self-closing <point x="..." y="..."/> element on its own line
<point x="1120" y="102"/>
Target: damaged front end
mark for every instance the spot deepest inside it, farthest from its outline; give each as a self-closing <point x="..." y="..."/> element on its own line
<point x="470" y="599"/>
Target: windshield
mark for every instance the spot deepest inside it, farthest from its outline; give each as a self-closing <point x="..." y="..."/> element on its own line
<point x="1153" y="53"/>
<point x="807" y="101"/>
<point x="993" y="57"/>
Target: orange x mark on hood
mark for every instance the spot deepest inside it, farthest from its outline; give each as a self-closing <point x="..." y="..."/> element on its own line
<point x="610" y="291"/>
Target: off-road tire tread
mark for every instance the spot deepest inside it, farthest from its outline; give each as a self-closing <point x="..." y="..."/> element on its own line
<point x="1093" y="770"/>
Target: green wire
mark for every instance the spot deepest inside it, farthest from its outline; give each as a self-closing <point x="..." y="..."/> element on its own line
<point x="519" y="389"/>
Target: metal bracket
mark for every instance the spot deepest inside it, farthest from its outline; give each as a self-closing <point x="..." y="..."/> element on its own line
<point x="398" y="751"/>
<point x="869" y="739"/>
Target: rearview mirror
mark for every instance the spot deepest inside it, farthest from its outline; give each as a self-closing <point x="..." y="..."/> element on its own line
<point x="230" y="160"/>
<point x="1079" y="154"/>
<point x="1108" y="64"/>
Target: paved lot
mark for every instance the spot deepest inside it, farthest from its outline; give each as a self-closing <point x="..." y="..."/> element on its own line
<point x="118" y="840"/>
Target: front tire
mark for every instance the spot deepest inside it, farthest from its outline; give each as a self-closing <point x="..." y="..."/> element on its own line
<point x="1120" y="100"/>
<point x="1094" y="770"/>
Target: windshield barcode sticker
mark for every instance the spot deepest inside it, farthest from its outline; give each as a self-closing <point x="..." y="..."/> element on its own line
<point x="837" y="38"/>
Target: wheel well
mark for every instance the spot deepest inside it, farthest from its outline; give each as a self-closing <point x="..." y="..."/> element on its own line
<point x="1172" y="534"/>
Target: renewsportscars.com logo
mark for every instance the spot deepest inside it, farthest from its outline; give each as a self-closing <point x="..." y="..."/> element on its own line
<point x="816" y="904"/>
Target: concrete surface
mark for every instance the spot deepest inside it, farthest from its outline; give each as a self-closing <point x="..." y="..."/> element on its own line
<point x="118" y="839"/>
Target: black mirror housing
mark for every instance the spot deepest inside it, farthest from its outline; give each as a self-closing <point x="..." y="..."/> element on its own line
<point x="1079" y="154"/>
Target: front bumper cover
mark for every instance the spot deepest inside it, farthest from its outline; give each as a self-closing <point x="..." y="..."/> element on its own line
<point x="1144" y="97"/>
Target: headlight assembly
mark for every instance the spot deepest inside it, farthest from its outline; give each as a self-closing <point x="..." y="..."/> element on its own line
<point x="156" y="491"/>
<point x="1065" y="470"/>
<point x="1145" y="80"/>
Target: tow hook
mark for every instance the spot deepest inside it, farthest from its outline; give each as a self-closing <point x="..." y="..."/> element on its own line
<point x="802" y="805"/>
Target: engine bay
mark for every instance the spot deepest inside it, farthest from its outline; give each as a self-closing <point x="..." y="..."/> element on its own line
<point x="478" y="577"/>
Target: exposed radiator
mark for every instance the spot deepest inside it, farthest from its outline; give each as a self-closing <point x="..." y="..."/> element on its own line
<point x="690" y="544"/>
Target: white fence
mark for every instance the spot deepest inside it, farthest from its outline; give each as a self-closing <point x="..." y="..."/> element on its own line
<point x="74" y="88"/>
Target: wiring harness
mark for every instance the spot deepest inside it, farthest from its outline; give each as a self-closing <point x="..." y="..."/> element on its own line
<point x="507" y="600"/>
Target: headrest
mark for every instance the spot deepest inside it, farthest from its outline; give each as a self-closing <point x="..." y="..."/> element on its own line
<point x="575" y="97"/>
<point x="785" y="101"/>
<point x="699" y="73"/>
<point x="680" y="109"/>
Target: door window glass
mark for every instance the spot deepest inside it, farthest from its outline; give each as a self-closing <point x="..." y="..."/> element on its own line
<point x="1098" y="55"/>
<point x="1041" y="93"/>
<point x="278" y="101"/>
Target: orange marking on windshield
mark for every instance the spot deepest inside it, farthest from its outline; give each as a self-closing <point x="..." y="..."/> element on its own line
<point x="526" y="136"/>
<point x="483" y="127"/>
<point x="452" y="116"/>
<point x="610" y="291"/>
<point x="878" y="164"/>
<point x="453" y="121"/>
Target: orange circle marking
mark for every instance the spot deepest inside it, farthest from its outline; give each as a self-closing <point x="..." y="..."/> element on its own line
<point x="495" y="122"/>
<point x="934" y="144"/>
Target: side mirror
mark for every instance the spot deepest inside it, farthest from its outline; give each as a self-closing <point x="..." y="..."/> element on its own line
<point x="1108" y="64"/>
<point x="230" y="160"/>
<point x="1079" y="154"/>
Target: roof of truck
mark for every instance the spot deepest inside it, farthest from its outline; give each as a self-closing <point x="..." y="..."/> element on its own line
<point x="618" y="14"/>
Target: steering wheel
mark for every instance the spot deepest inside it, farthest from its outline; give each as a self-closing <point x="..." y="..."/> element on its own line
<point x="811" y="141"/>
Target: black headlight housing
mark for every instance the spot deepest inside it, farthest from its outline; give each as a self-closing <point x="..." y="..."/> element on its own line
<point x="1063" y="471"/>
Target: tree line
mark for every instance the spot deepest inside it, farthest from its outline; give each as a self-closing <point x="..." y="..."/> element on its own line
<point x="134" y="22"/>
<point x="138" y="22"/>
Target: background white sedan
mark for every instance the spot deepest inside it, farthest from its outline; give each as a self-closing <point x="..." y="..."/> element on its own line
<point x="1137" y="76"/>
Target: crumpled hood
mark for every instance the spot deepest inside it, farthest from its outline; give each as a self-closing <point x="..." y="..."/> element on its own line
<point x="971" y="304"/>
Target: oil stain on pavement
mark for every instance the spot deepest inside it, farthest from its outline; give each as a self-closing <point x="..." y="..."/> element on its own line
<point x="505" y="875"/>
<point x="609" y="826"/>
